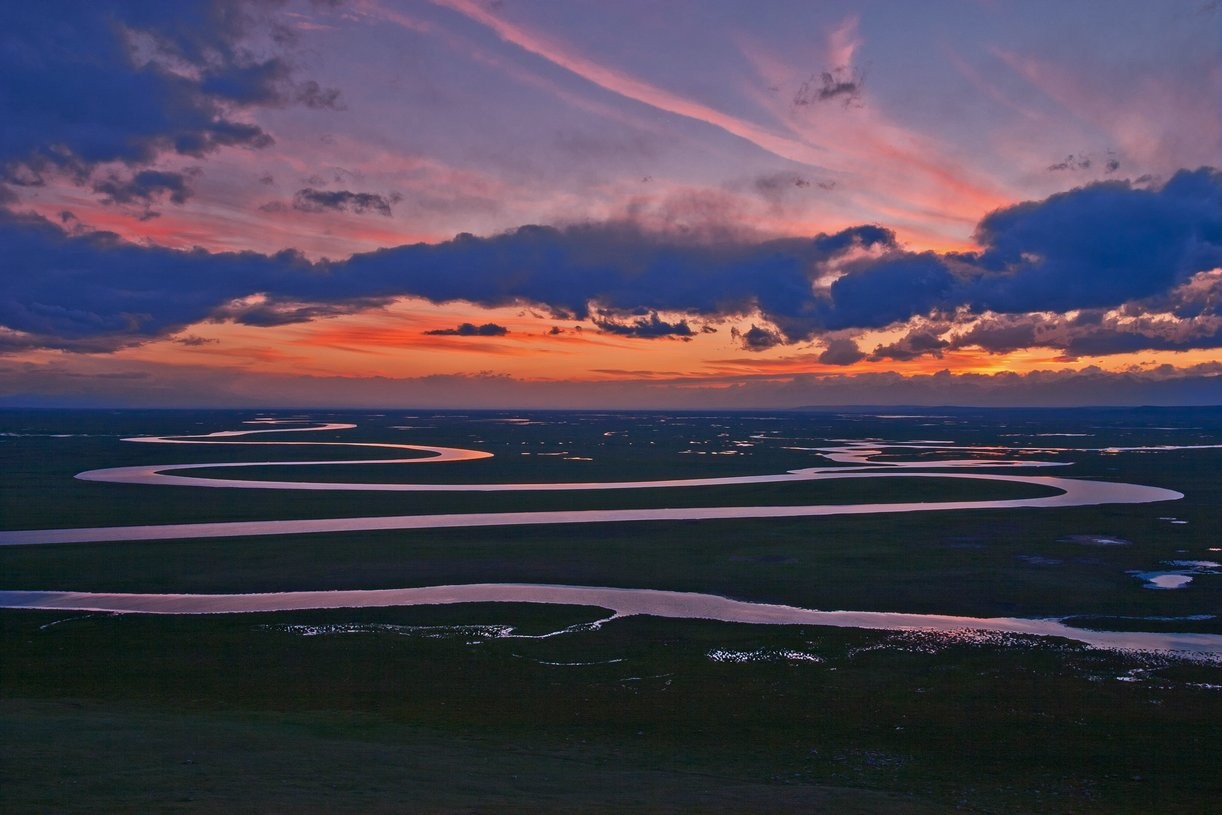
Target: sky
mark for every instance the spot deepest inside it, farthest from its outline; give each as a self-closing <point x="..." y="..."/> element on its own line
<point x="639" y="204"/>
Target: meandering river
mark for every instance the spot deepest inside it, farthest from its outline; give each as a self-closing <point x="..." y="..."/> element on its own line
<point x="860" y="458"/>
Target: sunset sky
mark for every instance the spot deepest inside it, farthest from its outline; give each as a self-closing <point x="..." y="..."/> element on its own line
<point x="568" y="203"/>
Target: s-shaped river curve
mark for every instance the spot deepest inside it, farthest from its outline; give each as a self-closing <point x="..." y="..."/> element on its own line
<point x="622" y="602"/>
<point x="858" y="455"/>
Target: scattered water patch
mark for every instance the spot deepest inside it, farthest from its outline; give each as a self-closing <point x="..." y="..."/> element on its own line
<point x="423" y="631"/>
<point x="55" y="435"/>
<point x="480" y="632"/>
<point x="517" y="420"/>
<point x="1040" y="560"/>
<point x="1094" y="540"/>
<point x="1134" y="675"/>
<point x="1167" y="580"/>
<point x="570" y="664"/>
<point x="1178" y="577"/>
<point x="934" y="641"/>
<point x="761" y="655"/>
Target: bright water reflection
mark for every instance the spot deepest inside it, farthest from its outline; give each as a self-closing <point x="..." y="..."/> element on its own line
<point x="621" y="602"/>
<point x="860" y="456"/>
<point x="1180" y="577"/>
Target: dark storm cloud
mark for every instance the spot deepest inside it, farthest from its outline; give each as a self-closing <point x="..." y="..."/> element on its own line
<point x="756" y="338"/>
<point x="144" y="187"/>
<point x="616" y="267"/>
<point x="651" y="327"/>
<point x="193" y="341"/>
<point x="1183" y="319"/>
<point x="257" y="83"/>
<point x="313" y="95"/>
<point x="1000" y="336"/>
<point x="841" y="351"/>
<point x="95" y="292"/>
<point x="1084" y="161"/>
<point x="129" y="81"/>
<point x="839" y="84"/>
<point x="1099" y="246"/>
<point x="1117" y="340"/>
<point x="919" y="343"/>
<point x="471" y="330"/>
<point x="774" y="185"/>
<point x="1071" y="162"/>
<point x="312" y="200"/>
<point x="868" y="236"/>
<point x="842" y="84"/>
<point x="880" y="292"/>
<point x="286" y="312"/>
<point x="1200" y="296"/>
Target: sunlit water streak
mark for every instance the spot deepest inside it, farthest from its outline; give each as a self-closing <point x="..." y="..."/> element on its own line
<point x="857" y="455"/>
<point x="621" y="602"/>
<point x="1074" y="493"/>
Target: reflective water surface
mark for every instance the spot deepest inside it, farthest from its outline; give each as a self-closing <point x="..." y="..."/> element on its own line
<point x="862" y="454"/>
<point x="621" y="602"/>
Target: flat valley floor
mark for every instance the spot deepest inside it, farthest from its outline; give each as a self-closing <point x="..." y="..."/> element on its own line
<point x="1014" y="650"/>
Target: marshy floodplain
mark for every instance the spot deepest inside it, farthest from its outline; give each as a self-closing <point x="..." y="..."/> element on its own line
<point x="554" y="705"/>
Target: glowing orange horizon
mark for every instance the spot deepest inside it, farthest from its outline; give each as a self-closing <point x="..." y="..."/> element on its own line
<point x="395" y="342"/>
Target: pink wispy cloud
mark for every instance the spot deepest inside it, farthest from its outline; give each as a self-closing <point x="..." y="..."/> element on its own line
<point x="1161" y="122"/>
<point x="881" y="166"/>
<point x="634" y="88"/>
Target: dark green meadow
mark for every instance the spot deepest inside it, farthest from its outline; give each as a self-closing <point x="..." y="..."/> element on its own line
<point x="206" y="714"/>
<point x="421" y="710"/>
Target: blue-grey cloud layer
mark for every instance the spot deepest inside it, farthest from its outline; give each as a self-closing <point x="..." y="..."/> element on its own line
<point x="1096" y="247"/>
<point x="130" y="81"/>
<point x="471" y="330"/>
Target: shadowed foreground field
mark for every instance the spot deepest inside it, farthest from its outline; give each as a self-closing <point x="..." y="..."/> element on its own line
<point x="126" y="761"/>
<point x="396" y="709"/>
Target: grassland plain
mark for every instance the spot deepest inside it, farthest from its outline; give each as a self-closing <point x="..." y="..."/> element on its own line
<point x="434" y="708"/>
